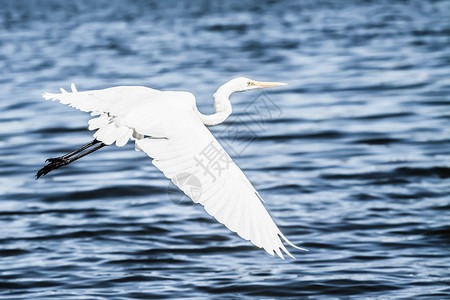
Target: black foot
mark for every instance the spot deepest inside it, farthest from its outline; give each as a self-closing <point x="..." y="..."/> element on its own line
<point x="56" y="160"/>
<point x="53" y="163"/>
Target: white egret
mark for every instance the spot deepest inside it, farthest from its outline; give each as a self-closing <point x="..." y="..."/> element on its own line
<point x="169" y="128"/>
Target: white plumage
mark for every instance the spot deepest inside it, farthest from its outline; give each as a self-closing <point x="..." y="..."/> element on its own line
<point x="169" y="128"/>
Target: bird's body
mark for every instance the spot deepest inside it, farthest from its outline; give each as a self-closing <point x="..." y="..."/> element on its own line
<point x="169" y="128"/>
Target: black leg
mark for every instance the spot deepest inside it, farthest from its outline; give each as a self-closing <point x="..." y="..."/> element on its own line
<point x="55" y="163"/>
<point x="82" y="148"/>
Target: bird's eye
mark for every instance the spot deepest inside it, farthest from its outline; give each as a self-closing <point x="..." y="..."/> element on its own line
<point x="249" y="83"/>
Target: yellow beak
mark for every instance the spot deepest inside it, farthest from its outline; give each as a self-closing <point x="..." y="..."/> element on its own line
<point x="267" y="84"/>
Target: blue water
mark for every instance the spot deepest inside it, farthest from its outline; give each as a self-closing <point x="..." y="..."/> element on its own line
<point x="352" y="157"/>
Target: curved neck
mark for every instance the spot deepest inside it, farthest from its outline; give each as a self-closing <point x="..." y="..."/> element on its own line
<point x="222" y="107"/>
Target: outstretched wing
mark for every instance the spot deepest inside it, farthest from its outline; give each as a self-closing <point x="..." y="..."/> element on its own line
<point x="193" y="159"/>
<point x="112" y="104"/>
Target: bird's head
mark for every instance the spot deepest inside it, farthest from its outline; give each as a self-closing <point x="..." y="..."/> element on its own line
<point x="242" y="84"/>
<point x="222" y="104"/>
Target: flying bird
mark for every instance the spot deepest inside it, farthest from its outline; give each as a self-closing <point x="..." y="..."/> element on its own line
<point x="169" y="128"/>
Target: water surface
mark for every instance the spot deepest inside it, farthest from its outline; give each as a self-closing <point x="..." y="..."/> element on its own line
<point x="352" y="157"/>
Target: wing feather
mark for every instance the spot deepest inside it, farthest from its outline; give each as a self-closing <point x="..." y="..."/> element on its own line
<point x="111" y="104"/>
<point x="226" y="193"/>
